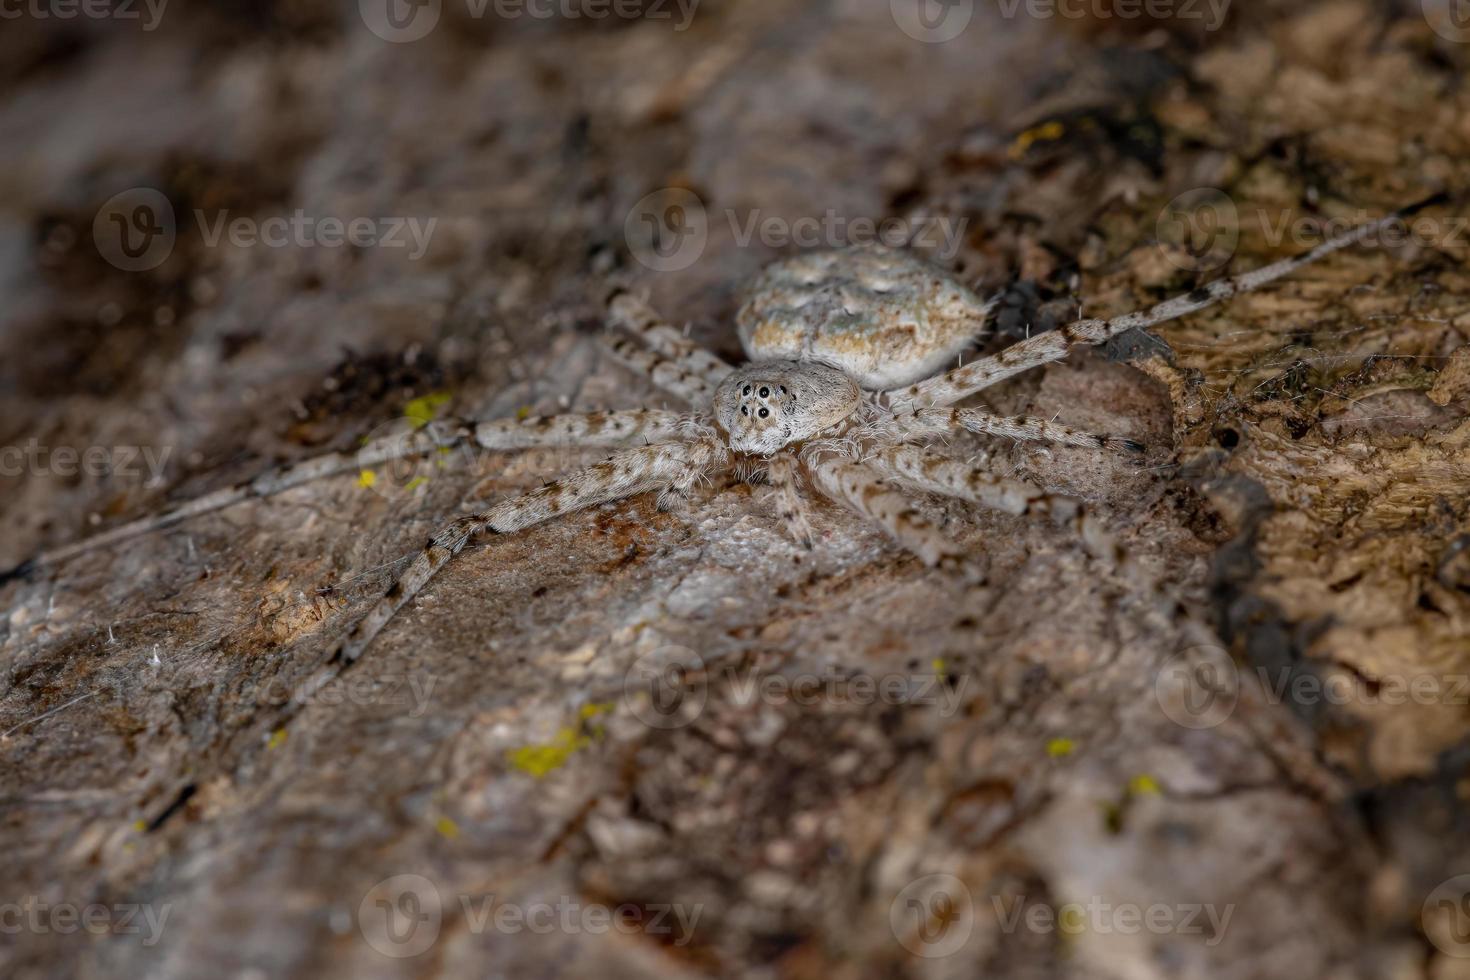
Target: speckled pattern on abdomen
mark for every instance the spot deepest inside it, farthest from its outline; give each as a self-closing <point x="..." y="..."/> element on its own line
<point x="881" y="316"/>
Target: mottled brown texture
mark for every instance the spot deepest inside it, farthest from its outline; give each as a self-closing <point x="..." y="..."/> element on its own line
<point x="1300" y="512"/>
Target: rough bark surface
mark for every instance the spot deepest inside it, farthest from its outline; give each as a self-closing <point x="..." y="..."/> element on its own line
<point x="1262" y="712"/>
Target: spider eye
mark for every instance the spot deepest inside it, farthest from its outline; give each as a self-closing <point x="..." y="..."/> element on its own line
<point x="764" y="412"/>
<point x="746" y="391"/>
<point x="765" y="393"/>
<point x="744" y="410"/>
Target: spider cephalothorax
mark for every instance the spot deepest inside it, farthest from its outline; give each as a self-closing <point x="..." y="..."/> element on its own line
<point x="841" y="398"/>
<point x="766" y="406"/>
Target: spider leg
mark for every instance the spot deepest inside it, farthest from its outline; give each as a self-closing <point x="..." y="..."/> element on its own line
<point x="632" y="314"/>
<point x="590" y="429"/>
<point x="923" y="469"/>
<point x="781" y="474"/>
<point x="937" y="421"/>
<point x="946" y="389"/>
<point x="581" y="429"/>
<point x="857" y="485"/>
<point x="669" y="359"/>
<point x="671" y="374"/>
<point x="666" y="467"/>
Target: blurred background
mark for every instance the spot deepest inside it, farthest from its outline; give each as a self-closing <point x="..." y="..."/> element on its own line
<point x="235" y="234"/>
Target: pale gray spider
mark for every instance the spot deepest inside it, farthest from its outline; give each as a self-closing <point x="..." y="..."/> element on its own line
<point x="841" y="394"/>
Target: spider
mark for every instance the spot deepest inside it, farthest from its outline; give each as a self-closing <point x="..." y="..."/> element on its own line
<point x="842" y="395"/>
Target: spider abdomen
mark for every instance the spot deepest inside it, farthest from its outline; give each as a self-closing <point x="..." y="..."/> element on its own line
<point x="883" y="317"/>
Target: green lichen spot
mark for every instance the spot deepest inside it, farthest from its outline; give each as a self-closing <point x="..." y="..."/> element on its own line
<point x="1143" y="785"/>
<point x="538" y="760"/>
<point x="422" y="411"/>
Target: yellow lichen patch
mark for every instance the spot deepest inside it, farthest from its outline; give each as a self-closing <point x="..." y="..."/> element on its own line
<point x="1143" y="785"/>
<point x="446" y="828"/>
<point x="277" y="739"/>
<point x="367" y="479"/>
<point x="1058" y="748"/>
<point x="422" y="411"/>
<point x="523" y="413"/>
<point x="1046" y="131"/>
<point x="415" y="483"/>
<point x="540" y="759"/>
